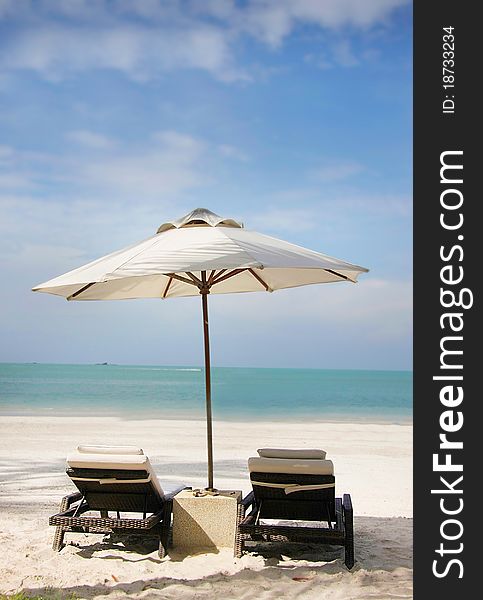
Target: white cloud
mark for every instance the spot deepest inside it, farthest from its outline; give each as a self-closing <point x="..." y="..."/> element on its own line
<point x="273" y="21"/>
<point x="336" y="171"/>
<point x="339" y="52"/>
<point x="162" y="168"/>
<point x="91" y="139"/>
<point x="14" y="181"/>
<point x="220" y="9"/>
<point x="183" y="144"/>
<point x="329" y="211"/>
<point x="145" y="39"/>
<point x="339" y="13"/>
<point x="172" y="165"/>
<point x="233" y="152"/>
<point x="320" y="60"/>
<point x="140" y="52"/>
<point x="92" y="204"/>
<point x="118" y="195"/>
<point x="270" y="22"/>
<point x="378" y="204"/>
<point x="8" y="7"/>
<point x="284" y="219"/>
<point x="344" y="55"/>
<point x="380" y="309"/>
<point x="5" y="153"/>
<point x="143" y="176"/>
<point x="16" y="173"/>
<point x="334" y="220"/>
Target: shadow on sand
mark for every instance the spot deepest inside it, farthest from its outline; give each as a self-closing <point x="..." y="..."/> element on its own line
<point x="383" y="563"/>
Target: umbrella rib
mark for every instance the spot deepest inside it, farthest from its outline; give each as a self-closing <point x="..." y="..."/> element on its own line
<point x="338" y="275"/>
<point x="228" y="275"/>
<point x="82" y="289"/>
<point x="195" y="279"/>
<point x="180" y="278"/>
<point x="212" y="276"/>
<point x="217" y="276"/>
<point x="259" y="279"/>
<point x="167" y="287"/>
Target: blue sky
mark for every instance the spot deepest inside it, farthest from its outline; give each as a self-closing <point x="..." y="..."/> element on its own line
<point x="294" y="116"/>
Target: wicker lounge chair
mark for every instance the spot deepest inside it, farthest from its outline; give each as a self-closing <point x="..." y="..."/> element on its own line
<point x="296" y="485"/>
<point x="114" y="479"/>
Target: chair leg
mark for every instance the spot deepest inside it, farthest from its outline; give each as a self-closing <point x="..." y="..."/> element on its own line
<point x="58" y="543"/>
<point x="165" y="533"/>
<point x="240" y="545"/>
<point x="59" y="530"/>
<point x="164" y="540"/>
<point x="349" y="531"/>
<point x="239" y="539"/>
<point x="163" y="546"/>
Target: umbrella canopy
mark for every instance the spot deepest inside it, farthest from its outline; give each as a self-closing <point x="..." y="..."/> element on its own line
<point x="200" y="241"/>
<point x="201" y="253"/>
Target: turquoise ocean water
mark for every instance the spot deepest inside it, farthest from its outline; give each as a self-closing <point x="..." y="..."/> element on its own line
<point x="239" y="394"/>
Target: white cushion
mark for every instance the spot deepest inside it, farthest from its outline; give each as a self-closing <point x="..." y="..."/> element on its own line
<point x="131" y="462"/>
<point x="258" y="464"/>
<point x="307" y="453"/>
<point x="98" y="449"/>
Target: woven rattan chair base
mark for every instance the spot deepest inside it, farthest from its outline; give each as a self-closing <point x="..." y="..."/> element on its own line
<point x="71" y="519"/>
<point x="339" y="532"/>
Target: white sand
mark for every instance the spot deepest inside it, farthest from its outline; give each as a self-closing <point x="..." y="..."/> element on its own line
<point x="372" y="461"/>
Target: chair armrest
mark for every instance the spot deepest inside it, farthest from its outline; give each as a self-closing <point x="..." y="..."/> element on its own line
<point x="71" y="498"/>
<point x="250" y="519"/>
<point x="339" y="517"/>
<point x="172" y="494"/>
<point x="347" y="504"/>
<point x="248" y="500"/>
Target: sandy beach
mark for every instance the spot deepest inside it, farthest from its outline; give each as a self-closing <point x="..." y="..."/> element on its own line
<point x="372" y="461"/>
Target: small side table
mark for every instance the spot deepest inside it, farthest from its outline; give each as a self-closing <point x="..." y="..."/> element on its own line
<point x="206" y="522"/>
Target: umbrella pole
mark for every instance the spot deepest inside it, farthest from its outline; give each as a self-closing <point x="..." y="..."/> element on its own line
<point x="204" y="291"/>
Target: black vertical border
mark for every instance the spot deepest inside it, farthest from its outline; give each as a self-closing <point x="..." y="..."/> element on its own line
<point x="436" y="132"/>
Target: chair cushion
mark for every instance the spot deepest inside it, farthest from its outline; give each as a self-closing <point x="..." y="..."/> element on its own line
<point x="121" y="462"/>
<point x="258" y="464"/>
<point x="306" y="453"/>
<point x="98" y="449"/>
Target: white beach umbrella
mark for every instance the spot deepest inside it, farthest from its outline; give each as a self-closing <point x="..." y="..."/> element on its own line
<point x="201" y="253"/>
